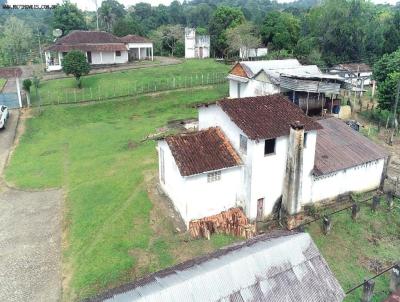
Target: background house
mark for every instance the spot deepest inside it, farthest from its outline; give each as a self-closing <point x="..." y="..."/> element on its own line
<point x="305" y="85"/>
<point x="196" y="46"/>
<point x="358" y="74"/>
<point x="100" y="48"/>
<point x="246" y="53"/>
<point x="279" y="266"/>
<point x="263" y="153"/>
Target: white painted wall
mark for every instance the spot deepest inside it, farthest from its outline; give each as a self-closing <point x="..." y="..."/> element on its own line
<point x="358" y="179"/>
<point x="251" y="88"/>
<point x="253" y="52"/>
<point x="99" y="58"/>
<point x="261" y="176"/>
<point x="194" y="197"/>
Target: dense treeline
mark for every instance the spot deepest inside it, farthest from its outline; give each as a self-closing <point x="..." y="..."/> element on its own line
<point x="323" y="32"/>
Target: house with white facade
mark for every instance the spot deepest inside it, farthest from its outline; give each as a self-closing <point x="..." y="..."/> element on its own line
<point x="263" y="154"/>
<point x="358" y="74"/>
<point x="100" y="48"/>
<point x="245" y="52"/>
<point x="196" y="46"/>
<point x="305" y="85"/>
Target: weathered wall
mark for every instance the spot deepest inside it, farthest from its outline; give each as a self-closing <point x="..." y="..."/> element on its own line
<point x="194" y="197"/>
<point x="361" y="178"/>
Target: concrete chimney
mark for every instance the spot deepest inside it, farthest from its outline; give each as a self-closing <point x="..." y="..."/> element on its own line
<point x="291" y="198"/>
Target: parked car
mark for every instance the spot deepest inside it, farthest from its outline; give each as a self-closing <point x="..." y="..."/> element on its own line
<point x="4" y="114"/>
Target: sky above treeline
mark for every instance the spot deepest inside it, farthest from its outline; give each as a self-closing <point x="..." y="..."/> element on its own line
<point x="90" y="4"/>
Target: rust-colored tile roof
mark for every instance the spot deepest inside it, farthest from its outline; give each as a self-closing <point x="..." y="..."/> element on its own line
<point x="265" y="117"/>
<point x="109" y="47"/>
<point x="10" y="72"/>
<point x="85" y="36"/>
<point x="88" y="41"/>
<point x="134" y="39"/>
<point x="202" y="151"/>
<point x="340" y="147"/>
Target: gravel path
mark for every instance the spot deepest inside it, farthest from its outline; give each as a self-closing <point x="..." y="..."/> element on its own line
<point x="30" y="236"/>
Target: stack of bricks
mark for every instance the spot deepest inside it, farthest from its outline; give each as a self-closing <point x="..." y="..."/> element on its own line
<point x="231" y="222"/>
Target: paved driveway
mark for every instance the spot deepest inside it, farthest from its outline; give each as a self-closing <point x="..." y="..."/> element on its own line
<point x="30" y="237"/>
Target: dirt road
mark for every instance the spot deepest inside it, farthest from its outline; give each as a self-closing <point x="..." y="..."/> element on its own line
<point x="30" y="236"/>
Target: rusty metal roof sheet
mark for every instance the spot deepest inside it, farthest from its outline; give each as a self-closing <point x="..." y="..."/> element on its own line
<point x="340" y="147"/>
<point x="281" y="266"/>
<point x="354" y="67"/>
<point x="265" y="117"/>
<point x="202" y="151"/>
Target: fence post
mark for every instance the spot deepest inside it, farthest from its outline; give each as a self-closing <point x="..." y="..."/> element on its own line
<point x="91" y="93"/>
<point x="326" y="225"/>
<point x="368" y="291"/>
<point x="375" y="202"/>
<point x="75" y="95"/>
<point x="355" y="209"/>
<point x="395" y="278"/>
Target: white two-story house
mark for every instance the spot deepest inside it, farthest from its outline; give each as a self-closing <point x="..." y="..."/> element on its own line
<point x="263" y="153"/>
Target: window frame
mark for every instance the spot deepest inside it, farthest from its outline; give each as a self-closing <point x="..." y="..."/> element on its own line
<point x="214" y="176"/>
<point x="265" y="147"/>
<point x="243" y="143"/>
<point x="118" y="53"/>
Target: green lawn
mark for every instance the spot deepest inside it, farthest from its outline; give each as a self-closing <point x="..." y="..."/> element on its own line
<point x="2" y="82"/>
<point x="132" y="82"/>
<point x="115" y="232"/>
<point x="353" y="248"/>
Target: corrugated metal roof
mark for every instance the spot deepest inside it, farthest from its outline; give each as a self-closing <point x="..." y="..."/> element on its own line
<point x="267" y="116"/>
<point x="202" y="151"/>
<point x="253" y="67"/>
<point x="340" y="147"/>
<point x="272" y="267"/>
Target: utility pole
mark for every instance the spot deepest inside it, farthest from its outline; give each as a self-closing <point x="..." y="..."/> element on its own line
<point x="97" y="15"/>
<point x="395" y="122"/>
<point x="40" y="50"/>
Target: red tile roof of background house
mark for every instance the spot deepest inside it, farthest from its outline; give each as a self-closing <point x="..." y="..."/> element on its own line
<point x="202" y="151"/>
<point x="265" y="117"/>
<point x="88" y="41"/>
<point x="134" y="39"/>
<point x="340" y="147"/>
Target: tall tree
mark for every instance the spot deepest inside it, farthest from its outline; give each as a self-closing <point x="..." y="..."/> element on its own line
<point x="175" y="12"/>
<point x="109" y="12"/>
<point x="16" y="41"/>
<point x="75" y="63"/>
<point x="280" y="30"/>
<point x="127" y="26"/>
<point x="242" y="38"/>
<point x="223" y="18"/>
<point x="168" y="38"/>
<point x="67" y="17"/>
<point x="387" y="73"/>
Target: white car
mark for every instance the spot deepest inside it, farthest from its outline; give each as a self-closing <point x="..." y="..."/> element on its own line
<point x="4" y="114"/>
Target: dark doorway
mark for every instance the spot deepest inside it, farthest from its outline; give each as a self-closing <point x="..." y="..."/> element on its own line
<point x="89" y="57"/>
<point x="201" y="52"/>
<point x="260" y="209"/>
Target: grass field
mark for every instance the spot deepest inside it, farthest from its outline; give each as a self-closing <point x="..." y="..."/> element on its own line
<point x="116" y="229"/>
<point x="131" y="82"/>
<point x="355" y="249"/>
<point x="115" y="232"/>
<point x="2" y="82"/>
